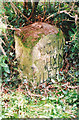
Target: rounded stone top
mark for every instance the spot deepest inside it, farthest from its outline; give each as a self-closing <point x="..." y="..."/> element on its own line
<point x="33" y="32"/>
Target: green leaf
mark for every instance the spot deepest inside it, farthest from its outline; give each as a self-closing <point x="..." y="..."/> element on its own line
<point x="15" y="115"/>
<point x="3" y="65"/>
<point x="7" y="69"/>
<point x="5" y="74"/>
<point x="77" y="73"/>
<point x="66" y="5"/>
<point x="65" y="92"/>
<point x="53" y="80"/>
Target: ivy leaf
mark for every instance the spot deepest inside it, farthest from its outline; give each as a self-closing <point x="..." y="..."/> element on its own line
<point x="3" y="65"/>
<point x="7" y="69"/>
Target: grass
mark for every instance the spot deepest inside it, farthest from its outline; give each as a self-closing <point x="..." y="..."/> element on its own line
<point x="17" y="104"/>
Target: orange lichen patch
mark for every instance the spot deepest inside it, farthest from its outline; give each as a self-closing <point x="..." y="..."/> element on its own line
<point x="32" y="33"/>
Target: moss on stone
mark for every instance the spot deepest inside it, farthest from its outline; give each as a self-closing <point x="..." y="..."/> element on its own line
<point x="34" y="48"/>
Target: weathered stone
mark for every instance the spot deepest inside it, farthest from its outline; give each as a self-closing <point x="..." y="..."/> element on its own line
<point x="39" y="50"/>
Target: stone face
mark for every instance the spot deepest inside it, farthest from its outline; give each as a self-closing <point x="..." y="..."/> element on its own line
<point x="39" y="50"/>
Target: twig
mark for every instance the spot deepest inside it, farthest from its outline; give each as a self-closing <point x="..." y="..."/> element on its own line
<point x="64" y="11"/>
<point x="72" y="76"/>
<point x="13" y="8"/>
<point x="73" y="38"/>
<point x="31" y="13"/>
<point x="20" y="11"/>
<point x="2" y="50"/>
<point x="4" y="34"/>
<point x="72" y="87"/>
<point x="49" y="17"/>
<point x="1" y="41"/>
<point x="14" y="29"/>
<point x="76" y="18"/>
<point x="7" y="40"/>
